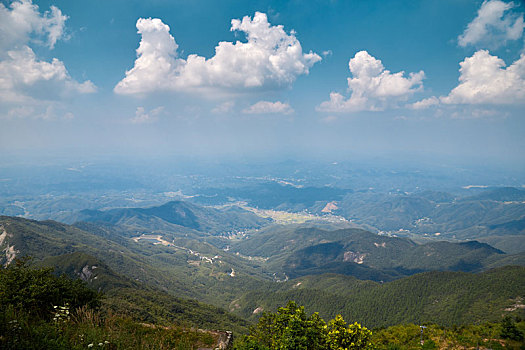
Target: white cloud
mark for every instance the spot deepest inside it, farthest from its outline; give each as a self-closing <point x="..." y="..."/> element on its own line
<point x="269" y="59"/>
<point x="49" y="112"/>
<point x="23" y="78"/>
<point x="484" y="79"/>
<point x="22" y="21"/>
<point x="143" y="117"/>
<point x="424" y="103"/>
<point x="494" y="25"/>
<point x="20" y="112"/>
<point x="28" y="84"/>
<point x="373" y="88"/>
<point x="156" y="65"/>
<point x="223" y="108"/>
<point x="267" y="107"/>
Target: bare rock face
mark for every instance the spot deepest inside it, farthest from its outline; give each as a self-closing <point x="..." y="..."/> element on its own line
<point x="224" y="340"/>
<point x="355" y="257"/>
<point x="329" y="207"/>
<point x="86" y="274"/>
<point x="8" y="250"/>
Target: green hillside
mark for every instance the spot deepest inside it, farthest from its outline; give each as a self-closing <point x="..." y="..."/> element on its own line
<point x="494" y="212"/>
<point x="179" y="213"/>
<point x="153" y="276"/>
<point x="306" y="251"/>
<point x="142" y="302"/>
<point x="184" y="267"/>
<point x="445" y="298"/>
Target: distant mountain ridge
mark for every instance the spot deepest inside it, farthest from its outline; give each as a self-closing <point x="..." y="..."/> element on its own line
<point x="495" y="212"/>
<point x="501" y="194"/>
<point x="151" y="278"/>
<point x="180" y="213"/>
<point x="365" y="255"/>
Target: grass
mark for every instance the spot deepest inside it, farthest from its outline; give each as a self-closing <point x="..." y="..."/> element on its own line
<point x="90" y="329"/>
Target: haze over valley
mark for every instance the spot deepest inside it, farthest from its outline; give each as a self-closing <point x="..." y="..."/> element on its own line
<point x="262" y="175"/>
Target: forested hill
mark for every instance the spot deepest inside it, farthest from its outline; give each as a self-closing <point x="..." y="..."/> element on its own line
<point x="177" y="213"/>
<point x="445" y="298"/>
<point x="300" y="251"/>
<point x="154" y="275"/>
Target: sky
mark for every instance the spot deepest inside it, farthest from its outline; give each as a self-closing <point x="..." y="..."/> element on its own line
<point x="441" y="79"/>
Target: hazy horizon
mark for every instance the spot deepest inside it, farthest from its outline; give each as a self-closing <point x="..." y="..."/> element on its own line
<point x="432" y="81"/>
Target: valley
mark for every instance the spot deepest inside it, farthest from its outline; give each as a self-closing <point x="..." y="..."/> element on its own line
<point x="221" y="257"/>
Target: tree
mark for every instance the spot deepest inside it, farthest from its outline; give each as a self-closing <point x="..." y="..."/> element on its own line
<point x="291" y="328"/>
<point x="341" y="337"/>
<point x="509" y="329"/>
<point x="37" y="291"/>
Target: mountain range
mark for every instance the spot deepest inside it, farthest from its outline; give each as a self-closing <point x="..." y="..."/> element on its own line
<point x="233" y="259"/>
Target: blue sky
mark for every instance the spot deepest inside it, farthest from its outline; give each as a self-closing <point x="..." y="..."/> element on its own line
<point x="298" y="78"/>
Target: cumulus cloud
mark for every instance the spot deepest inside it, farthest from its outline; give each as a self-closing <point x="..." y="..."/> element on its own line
<point x="373" y="88"/>
<point x="269" y="59"/>
<point x="485" y="79"/>
<point x="143" y="117"/>
<point x="22" y="21"/>
<point x="494" y="25"/>
<point x="24" y="79"/>
<point x="267" y="107"/>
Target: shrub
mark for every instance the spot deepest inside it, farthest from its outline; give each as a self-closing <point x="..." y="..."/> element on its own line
<point x="291" y="328"/>
<point x="37" y="291"/>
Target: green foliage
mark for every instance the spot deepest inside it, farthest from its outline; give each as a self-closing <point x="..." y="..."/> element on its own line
<point x="154" y="306"/>
<point x="480" y="336"/>
<point x="291" y="328"/>
<point x="162" y="267"/>
<point x="341" y="337"/>
<point x="39" y="310"/>
<point x="444" y="298"/>
<point x="88" y="329"/>
<point x="37" y="291"/>
<point x="145" y="303"/>
<point x="509" y="329"/>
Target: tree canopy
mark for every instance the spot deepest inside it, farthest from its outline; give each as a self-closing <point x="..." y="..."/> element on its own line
<point x="37" y="291"/>
<point x="291" y="328"/>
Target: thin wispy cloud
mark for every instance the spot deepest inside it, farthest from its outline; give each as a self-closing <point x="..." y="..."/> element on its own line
<point x="144" y="117"/>
<point x="223" y="108"/>
<point x="267" y="107"/>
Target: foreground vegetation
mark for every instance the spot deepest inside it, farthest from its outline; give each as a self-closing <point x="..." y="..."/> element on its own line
<point x="158" y="281"/>
<point x="291" y="328"/>
<point x="39" y="310"/>
<point x="507" y="334"/>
